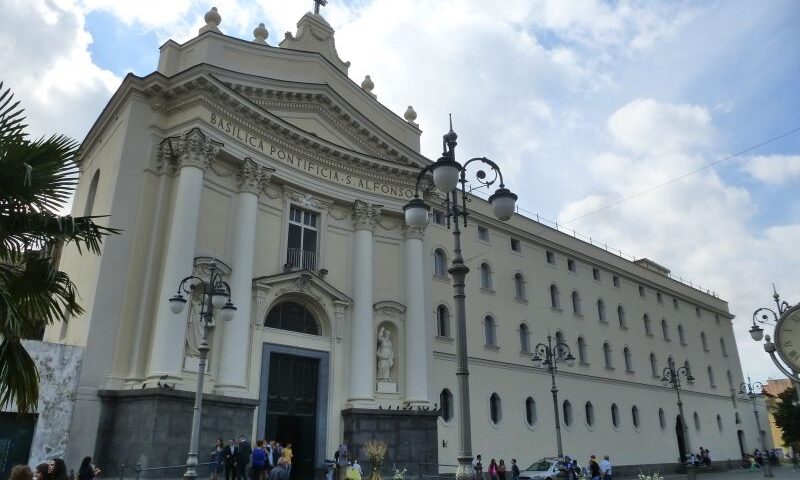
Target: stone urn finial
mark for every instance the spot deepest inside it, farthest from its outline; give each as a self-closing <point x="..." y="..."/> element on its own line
<point x="368" y="85"/>
<point x="260" y="33"/>
<point x="410" y="114"/>
<point x="213" y="19"/>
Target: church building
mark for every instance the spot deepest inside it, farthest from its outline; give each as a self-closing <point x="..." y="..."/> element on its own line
<point x="271" y="166"/>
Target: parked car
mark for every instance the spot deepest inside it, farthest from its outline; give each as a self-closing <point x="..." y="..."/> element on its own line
<point x="549" y="468"/>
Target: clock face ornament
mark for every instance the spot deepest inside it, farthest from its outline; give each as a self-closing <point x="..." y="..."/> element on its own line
<point x="787" y="338"/>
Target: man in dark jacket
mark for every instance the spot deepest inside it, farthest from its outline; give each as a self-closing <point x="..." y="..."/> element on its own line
<point x="245" y="450"/>
<point x="231" y="454"/>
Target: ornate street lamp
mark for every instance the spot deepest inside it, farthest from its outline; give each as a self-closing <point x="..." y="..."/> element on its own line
<point x="785" y="351"/>
<point x="447" y="175"/>
<point x="216" y="294"/>
<point x="671" y="376"/>
<point x="549" y="355"/>
<point x="752" y="390"/>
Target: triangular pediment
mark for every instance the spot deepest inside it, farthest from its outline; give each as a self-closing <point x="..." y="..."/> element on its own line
<point x="302" y="281"/>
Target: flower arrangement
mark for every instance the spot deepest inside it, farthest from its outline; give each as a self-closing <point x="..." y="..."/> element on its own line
<point x="650" y="476"/>
<point x="399" y="474"/>
<point x="376" y="452"/>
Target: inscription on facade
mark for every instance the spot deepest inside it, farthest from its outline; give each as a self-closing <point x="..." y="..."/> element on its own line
<point x="242" y="135"/>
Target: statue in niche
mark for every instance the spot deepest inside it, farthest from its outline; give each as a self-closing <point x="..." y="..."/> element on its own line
<point x="385" y="355"/>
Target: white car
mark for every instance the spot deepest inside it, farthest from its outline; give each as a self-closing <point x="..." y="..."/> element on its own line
<point x="548" y="468"/>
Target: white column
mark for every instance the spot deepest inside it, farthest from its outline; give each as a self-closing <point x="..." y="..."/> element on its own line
<point x="416" y="353"/>
<point x="362" y="330"/>
<point x="234" y="349"/>
<point x="195" y="152"/>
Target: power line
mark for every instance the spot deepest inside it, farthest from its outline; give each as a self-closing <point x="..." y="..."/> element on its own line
<point x="682" y="176"/>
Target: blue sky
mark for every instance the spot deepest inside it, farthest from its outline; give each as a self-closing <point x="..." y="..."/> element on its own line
<point x="583" y="103"/>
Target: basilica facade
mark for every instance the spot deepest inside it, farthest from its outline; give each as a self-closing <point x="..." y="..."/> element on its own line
<point x="270" y="165"/>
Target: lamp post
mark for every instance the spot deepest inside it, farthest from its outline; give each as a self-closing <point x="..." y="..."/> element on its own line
<point x="216" y="294"/>
<point x="549" y="355"/>
<point x="672" y="376"/>
<point x="784" y="351"/>
<point x="752" y="390"/>
<point x="447" y="175"/>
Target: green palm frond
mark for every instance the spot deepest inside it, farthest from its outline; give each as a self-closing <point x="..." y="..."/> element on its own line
<point x="37" y="179"/>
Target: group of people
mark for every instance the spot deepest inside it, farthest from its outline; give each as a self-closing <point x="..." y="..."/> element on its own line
<point x="758" y="458"/>
<point x="238" y="460"/>
<point x="55" y="469"/>
<point x="498" y="470"/>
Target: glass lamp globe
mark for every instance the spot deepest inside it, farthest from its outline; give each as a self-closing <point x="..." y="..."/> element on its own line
<point x="176" y="303"/>
<point x="446" y="173"/>
<point x="228" y="311"/>
<point x="570" y="360"/>
<point x="503" y="202"/>
<point x="416" y="213"/>
<point x="219" y="297"/>
<point x="756" y="333"/>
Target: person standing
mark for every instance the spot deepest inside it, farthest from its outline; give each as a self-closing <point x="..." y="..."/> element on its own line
<point x="21" y="472"/>
<point x="41" y="471"/>
<point x="501" y="470"/>
<point x="287" y="458"/>
<point x="276" y="453"/>
<point x="279" y="472"/>
<point x="477" y="465"/>
<point x="493" y="470"/>
<point x="245" y="450"/>
<point x="217" y="459"/>
<point x="87" y="471"/>
<point x="341" y="462"/>
<point x="259" y="457"/>
<point x="605" y="468"/>
<point x="594" y="468"/>
<point x="231" y="460"/>
<point x="514" y="469"/>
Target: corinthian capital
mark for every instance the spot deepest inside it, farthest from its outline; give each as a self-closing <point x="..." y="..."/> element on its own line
<point x="415" y="232"/>
<point x="365" y="216"/>
<point x="253" y="177"/>
<point x="195" y="149"/>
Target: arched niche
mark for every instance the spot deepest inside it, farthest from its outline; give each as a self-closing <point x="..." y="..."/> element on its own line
<point x="389" y="319"/>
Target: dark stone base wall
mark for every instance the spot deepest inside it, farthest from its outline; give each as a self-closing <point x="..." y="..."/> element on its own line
<point x="152" y="427"/>
<point x="410" y="435"/>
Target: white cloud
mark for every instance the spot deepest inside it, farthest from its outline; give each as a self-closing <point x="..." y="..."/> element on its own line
<point x="774" y="169"/>
<point x="698" y="226"/>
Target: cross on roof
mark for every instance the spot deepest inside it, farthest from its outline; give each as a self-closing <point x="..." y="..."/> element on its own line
<point x="318" y="3"/>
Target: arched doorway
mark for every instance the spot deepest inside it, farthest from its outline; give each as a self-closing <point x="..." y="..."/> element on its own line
<point x="293" y="391"/>
<point x="679" y="436"/>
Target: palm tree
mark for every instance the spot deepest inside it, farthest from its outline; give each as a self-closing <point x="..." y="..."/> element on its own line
<point x="37" y="179"/>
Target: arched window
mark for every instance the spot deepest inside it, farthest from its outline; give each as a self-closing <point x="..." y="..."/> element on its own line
<point x="737" y="418"/>
<point x="719" y="423"/>
<point x="486" y="276"/>
<point x="722" y="347"/>
<point x="696" y="421"/>
<point x="730" y="379"/>
<point x="703" y="341"/>
<point x="567" y="409"/>
<point x="442" y="321"/>
<point x="711" y="381"/>
<point x="495" y="409"/>
<point x="530" y="411"/>
<point x="681" y="337"/>
<point x="589" y="410"/>
<point x="653" y="364"/>
<point x="635" y="416"/>
<point x="576" y="302"/>
<point x="439" y="263"/>
<point x="664" y="329"/>
<point x="559" y="339"/>
<point x="446" y="402"/>
<point x="614" y="415"/>
<point x="524" y="338"/>
<point x="607" y="355"/>
<point x="555" y="301"/>
<point x="626" y="353"/>
<point x="292" y="316"/>
<point x="519" y="286"/>
<point x="90" y="196"/>
<point x="662" y="419"/>
<point x="582" y="355"/>
<point x="601" y="310"/>
<point x="621" y="316"/>
<point x="647" y="327"/>
<point x="489" y="331"/>
<point x="688" y="367"/>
